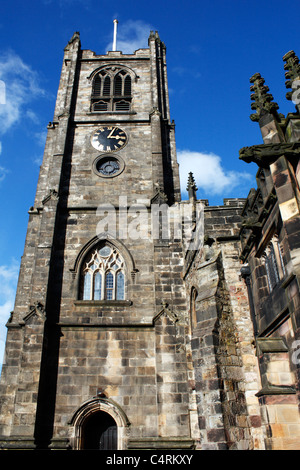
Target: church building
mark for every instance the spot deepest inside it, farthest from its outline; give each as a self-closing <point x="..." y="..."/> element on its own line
<point x="142" y="321"/>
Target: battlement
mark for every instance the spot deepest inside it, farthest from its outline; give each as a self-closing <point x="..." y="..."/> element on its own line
<point x="115" y="55"/>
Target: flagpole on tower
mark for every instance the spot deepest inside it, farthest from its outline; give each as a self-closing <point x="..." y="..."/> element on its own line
<point x="115" y="35"/>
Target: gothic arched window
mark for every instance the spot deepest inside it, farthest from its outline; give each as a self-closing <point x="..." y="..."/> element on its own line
<point x="102" y="275"/>
<point x="193" y="299"/>
<point x="101" y="94"/>
<point x="111" y="90"/>
<point x="271" y="267"/>
<point x="274" y="263"/>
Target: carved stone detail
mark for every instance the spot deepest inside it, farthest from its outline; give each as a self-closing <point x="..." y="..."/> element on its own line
<point x="173" y="317"/>
<point x="265" y="154"/>
<point x="292" y="73"/>
<point x="53" y="194"/>
<point x="37" y="309"/>
<point x="263" y="101"/>
<point x="159" y="197"/>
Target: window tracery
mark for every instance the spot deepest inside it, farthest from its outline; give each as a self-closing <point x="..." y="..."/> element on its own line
<point x="274" y="265"/>
<point x="103" y="275"/>
<point x="112" y="90"/>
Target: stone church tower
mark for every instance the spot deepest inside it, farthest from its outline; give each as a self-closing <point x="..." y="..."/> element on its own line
<point x="125" y="335"/>
<point x="92" y="340"/>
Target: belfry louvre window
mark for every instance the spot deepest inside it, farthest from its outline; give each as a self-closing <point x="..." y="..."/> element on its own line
<point x="112" y="91"/>
<point x="102" y="275"/>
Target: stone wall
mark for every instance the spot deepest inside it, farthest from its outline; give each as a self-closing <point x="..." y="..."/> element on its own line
<point x="226" y="369"/>
<point x="270" y="247"/>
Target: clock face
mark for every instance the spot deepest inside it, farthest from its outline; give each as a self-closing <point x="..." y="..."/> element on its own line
<point x="109" y="139"/>
<point x="108" y="166"/>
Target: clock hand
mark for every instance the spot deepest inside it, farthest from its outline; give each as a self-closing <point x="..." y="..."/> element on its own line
<point x="110" y="136"/>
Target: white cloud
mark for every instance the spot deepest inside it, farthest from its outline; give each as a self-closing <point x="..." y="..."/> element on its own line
<point x="2" y="92"/>
<point x="32" y="116"/>
<point x="8" y="284"/>
<point x="41" y="138"/>
<point x="209" y="173"/>
<point x="21" y="87"/>
<point x="3" y="171"/>
<point x="132" y="35"/>
<point x="37" y="160"/>
<point x="184" y="71"/>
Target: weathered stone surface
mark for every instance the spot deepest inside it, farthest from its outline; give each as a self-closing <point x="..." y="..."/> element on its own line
<point x="174" y="362"/>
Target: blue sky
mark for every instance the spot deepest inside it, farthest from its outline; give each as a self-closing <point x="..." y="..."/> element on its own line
<point x="213" y="48"/>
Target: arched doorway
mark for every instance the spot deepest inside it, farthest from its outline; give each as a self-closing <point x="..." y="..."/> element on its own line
<point x="99" y="431"/>
<point x="99" y="423"/>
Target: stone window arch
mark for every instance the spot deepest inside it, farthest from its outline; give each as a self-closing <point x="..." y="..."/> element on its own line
<point x="273" y="262"/>
<point x="112" y="90"/>
<point x="125" y="265"/>
<point x="102" y="275"/>
<point x="193" y="312"/>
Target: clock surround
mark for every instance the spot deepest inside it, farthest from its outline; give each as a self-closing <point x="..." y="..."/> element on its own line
<point x="108" y="166"/>
<point x="109" y="139"/>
